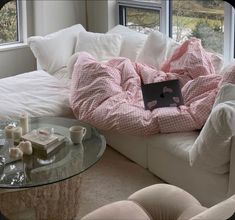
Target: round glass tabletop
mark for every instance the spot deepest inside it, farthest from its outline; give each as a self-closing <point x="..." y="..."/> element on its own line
<point x="64" y="162"/>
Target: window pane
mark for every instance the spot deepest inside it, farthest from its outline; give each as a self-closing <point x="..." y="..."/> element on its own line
<point x="154" y="1"/>
<point x="8" y="23"/>
<point x="201" y="19"/>
<point x="143" y="20"/>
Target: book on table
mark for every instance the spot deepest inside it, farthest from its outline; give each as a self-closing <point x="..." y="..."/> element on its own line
<point x="49" y="151"/>
<point x="44" y="145"/>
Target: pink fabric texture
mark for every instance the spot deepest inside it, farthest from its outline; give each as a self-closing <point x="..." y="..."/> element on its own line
<point x="108" y="95"/>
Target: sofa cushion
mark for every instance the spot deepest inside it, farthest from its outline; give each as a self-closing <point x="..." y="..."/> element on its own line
<point x="132" y="43"/>
<point x="177" y="144"/>
<point x="226" y="93"/>
<point x="205" y="153"/>
<point x="173" y="169"/>
<point x="53" y="51"/>
<point x="125" y="144"/>
<point x="228" y="74"/>
<point x="211" y="150"/>
<point x="101" y="46"/>
<point x="217" y="61"/>
<point x="70" y="64"/>
<point x="222" y="211"/>
<point x="157" y="49"/>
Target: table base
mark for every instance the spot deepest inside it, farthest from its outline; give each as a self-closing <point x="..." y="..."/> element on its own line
<point x="54" y="201"/>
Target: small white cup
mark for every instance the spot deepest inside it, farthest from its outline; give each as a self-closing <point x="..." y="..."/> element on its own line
<point x="77" y="133"/>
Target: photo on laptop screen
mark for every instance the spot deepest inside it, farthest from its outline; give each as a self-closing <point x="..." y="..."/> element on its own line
<point x="162" y="94"/>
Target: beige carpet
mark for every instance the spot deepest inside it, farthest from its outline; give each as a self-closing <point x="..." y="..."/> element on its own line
<point x="113" y="178"/>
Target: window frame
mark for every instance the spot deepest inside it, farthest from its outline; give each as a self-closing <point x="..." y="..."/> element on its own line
<point x="165" y="8"/>
<point x="229" y="37"/>
<point x="122" y="15"/>
<point x="21" y="26"/>
<point x="152" y="6"/>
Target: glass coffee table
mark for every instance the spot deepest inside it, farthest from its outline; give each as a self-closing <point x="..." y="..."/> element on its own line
<point x="49" y="184"/>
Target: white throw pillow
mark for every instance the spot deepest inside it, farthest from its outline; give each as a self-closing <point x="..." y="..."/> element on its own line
<point x="226" y="93"/>
<point x="53" y="51"/>
<point x="217" y="61"/>
<point x="219" y="129"/>
<point x="101" y="46"/>
<point x="157" y="49"/>
<point x="211" y="150"/>
<point x="133" y="41"/>
<point x="228" y="74"/>
<point x="70" y="64"/>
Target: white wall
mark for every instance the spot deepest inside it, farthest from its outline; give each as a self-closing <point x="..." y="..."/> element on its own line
<point x="101" y="15"/>
<point x="47" y="16"/>
<point x="53" y="15"/>
<point x="16" y="61"/>
<point x="43" y="17"/>
<point x="112" y="14"/>
<point x="97" y="14"/>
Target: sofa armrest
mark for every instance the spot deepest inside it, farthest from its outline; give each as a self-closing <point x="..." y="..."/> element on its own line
<point x="212" y="149"/>
<point x="226" y="93"/>
<point x="231" y="183"/>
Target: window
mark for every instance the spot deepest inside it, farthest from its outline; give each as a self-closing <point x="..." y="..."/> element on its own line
<point x="201" y="19"/>
<point x="142" y="20"/>
<point x="140" y="17"/>
<point x="212" y="21"/>
<point x="10" y="18"/>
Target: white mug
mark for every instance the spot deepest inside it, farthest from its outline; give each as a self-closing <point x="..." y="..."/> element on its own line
<point x="77" y="133"/>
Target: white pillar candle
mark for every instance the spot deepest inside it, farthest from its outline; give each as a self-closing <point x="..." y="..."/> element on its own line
<point x="9" y="131"/>
<point x="17" y="133"/>
<point x="24" y="123"/>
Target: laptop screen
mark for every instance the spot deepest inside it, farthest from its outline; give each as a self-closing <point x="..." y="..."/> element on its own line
<point x="162" y="94"/>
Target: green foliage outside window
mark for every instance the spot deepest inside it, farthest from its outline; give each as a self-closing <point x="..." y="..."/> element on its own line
<point x="8" y="23"/>
<point x="148" y="19"/>
<point x="202" y="19"/>
<point x="211" y="36"/>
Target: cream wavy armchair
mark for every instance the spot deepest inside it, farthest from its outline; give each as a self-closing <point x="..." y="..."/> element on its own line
<point x="163" y="202"/>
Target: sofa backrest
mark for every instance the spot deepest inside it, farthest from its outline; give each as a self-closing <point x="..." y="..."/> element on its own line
<point x="135" y="45"/>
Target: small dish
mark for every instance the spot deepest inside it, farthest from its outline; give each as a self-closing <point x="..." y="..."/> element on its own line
<point x="45" y="133"/>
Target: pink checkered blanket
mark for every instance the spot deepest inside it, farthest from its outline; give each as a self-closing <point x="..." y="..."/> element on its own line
<point x="108" y="95"/>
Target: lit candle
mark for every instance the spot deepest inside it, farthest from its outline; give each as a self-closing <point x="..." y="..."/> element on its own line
<point x="17" y="133"/>
<point x="9" y="131"/>
<point x="24" y="123"/>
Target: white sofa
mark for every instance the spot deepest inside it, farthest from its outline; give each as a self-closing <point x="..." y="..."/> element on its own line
<point x="165" y="155"/>
<point x="168" y="155"/>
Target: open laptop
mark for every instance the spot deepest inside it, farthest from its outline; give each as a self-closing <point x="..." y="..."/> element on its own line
<point x="162" y="94"/>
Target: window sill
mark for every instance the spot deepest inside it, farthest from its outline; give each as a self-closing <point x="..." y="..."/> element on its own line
<point x="13" y="46"/>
